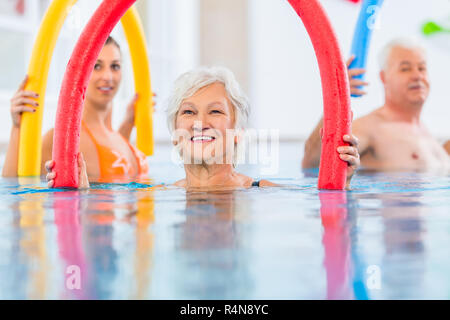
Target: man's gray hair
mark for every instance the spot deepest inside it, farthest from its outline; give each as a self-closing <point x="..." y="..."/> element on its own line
<point x="405" y="42"/>
<point x="190" y="82"/>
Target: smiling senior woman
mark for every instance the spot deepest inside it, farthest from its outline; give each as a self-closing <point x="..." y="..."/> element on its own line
<point x="206" y="115"/>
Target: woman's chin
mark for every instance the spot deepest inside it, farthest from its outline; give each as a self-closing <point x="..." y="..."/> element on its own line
<point x="203" y="161"/>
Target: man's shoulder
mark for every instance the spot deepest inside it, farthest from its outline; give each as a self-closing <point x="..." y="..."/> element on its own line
<point x="368" y="121"/>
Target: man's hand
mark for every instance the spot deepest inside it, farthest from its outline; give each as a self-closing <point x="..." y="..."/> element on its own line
<point x="355" y="83"/>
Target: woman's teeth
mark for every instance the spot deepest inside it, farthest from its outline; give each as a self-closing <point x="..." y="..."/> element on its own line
<point x="105" y="88"/>
<point x="202" y="138"/>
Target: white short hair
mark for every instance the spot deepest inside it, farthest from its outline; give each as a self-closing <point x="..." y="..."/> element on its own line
<point x="407" y="43"/>
<point x="190" y="82"/>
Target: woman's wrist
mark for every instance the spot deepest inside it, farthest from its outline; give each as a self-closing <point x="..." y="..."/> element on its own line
<point x="127" y="124"/>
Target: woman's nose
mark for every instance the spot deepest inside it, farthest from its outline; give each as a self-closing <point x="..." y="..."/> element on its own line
<point x="200" y="122"/>
<point x="107" y="75"/>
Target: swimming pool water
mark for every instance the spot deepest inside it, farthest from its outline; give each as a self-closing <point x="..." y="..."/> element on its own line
<point x="386" y="239"/>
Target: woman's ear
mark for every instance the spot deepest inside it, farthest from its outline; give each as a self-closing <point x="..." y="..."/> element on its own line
<point x="382" y="76"/>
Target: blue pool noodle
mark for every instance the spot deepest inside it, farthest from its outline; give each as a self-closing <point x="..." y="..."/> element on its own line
<point x="362" y="36"/>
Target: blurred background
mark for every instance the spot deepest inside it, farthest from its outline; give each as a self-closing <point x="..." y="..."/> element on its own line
<point x="262" y="41"/>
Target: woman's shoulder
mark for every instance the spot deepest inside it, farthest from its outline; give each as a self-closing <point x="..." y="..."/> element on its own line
<point x="266" y="183"/>
<point x="180" y="183"/>
<point x="250" y="182"/>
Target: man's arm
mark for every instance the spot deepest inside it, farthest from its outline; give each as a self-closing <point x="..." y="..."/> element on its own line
<point x="313" y="146"/>
<point x="361" y="129"/>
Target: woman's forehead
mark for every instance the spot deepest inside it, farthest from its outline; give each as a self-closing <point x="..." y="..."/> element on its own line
<point x="109" y="52"/>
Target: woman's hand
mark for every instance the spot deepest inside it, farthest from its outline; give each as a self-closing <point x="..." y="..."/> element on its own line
<point x="22" y="101"/>
<point x="350" y="155"/>
<point x="131" y="110"/>
<point x="355" y="84"/>
<point x="83" y="181"/>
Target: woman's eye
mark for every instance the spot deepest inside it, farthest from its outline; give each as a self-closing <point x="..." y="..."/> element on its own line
<point x="97" y="66"/>
<point x="116" y="67"/>
<point x="216" y="111"/>
<point x="187" y="112"/>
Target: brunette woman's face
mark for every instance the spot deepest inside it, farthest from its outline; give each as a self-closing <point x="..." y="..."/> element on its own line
<point x="106" y="76"/>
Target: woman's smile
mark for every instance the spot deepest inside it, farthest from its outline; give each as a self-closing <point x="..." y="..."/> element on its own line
<point x="202" y="139"/>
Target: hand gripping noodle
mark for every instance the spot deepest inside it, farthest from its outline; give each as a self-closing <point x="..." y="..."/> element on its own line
<point x="363" y="33"/>
<point x="66" y="138"/>
<point x="335" y="88"/>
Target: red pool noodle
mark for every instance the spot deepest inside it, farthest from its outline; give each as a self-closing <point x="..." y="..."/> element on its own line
<point x="66" y="137"/>
<point x="336" y="92"/>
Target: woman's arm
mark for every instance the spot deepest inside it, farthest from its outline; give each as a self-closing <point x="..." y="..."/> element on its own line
<point x="12" y="154"/>
<point x="47" y="147"/>
<point x="127" y="125"/>
<point x="22" y="101"/>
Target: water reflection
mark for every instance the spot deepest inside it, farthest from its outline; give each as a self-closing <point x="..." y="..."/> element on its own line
<point x="66" y="206"/>
<point x="145" y="217"/>
<point x="111" y="229"/>
<point x="398" y="221"/>
<point x="32" y="244"/>
<point x="210" y="249"/>
<point x="103" y="245"/>
<point x="336" y="242"/>
<point x="144" y="243"/>
<point x="403" y="263"/>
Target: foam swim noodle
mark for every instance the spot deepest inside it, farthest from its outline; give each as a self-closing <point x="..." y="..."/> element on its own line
<point x="134" y="33"/>
<point x="335" y="90"/>
<point x="363" y="33"/>
<point x="30" y="141"/>
<point x="66" y="137"/>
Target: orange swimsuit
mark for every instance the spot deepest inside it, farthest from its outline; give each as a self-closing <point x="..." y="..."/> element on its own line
<point x="114" y="166"/>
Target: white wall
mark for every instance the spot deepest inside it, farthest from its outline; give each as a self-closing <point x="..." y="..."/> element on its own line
<point x="285" y="84"/>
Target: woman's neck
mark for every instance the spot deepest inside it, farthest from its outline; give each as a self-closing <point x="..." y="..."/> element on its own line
<point x="96" y="117"/>
<point x="203" y="175"/>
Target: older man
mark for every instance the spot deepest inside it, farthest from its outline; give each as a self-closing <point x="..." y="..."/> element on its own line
<point x="393" y="137"/>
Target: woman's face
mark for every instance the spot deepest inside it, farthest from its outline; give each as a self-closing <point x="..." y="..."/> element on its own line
<point x="201" y="126"/>
<point x="106" y="76"/>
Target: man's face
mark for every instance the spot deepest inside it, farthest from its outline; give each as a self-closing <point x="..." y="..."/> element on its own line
<point x="405" y="77"/>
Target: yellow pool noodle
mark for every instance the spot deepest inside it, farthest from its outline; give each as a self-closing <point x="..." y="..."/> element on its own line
<point x="30" y="142"/>
<point x="134" y="33"/>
